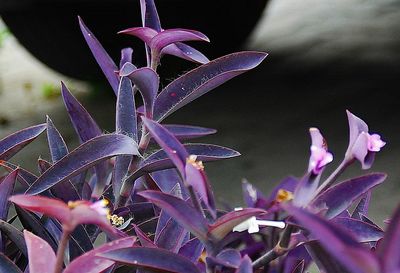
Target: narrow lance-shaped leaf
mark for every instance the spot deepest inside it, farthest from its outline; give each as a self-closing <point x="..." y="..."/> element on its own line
<point x="154" y="259"/>
<point x="84" y="157"/>
<point x="12" y="144"/>
<point x="147" y="81"/>
<point x="150" y="19"/>
<point x="170" y="36"/>
<point x="171" y="236"/>
<point x="159" y="160"/>
<point x="126" y="124"/>
<point x="337" y="242"/>
<point x="41" y="256"/>
<point x="192" y="249"/>
<point x="186" y="52"/>
<point x="203" y="79"/>
<point x="188" y="132"/>
<point x="193" y="174"/>
<point x="362" y="231"/>
<point x="183" y="213"/>
<point x="362" y="206"/>
<point x="341" y="196"/>
<point x="58" y="148"/>
<point x="91" y="263"/>
<point x="6" y="189"/>
<point x="25" y="177"/>
<point x="105" y="62"/>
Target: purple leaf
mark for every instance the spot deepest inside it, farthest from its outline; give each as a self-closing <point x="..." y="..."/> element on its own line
<point x="252" y="196"/>
<point x="172" y="147"/>
<point x="183" y="132"/>
<point x="126" y="122"/>
<point x="150" y="15"/>
<point x="192" y="249"/>
<point x="147" y="81"/>
<point x="6" y="189"/>
<point x="323" y="259"/>
<point x="154" y="259"/>
<point x="126" y="56"/>
<point x="389" y="248"/>
<point x="91" y="263"/>
<point x="7" y="266"/>
<point x="299" y="268"/>
<point x="102" y="147"/>
<point x="362" y="231"/>
<point x="143" y="33"/>
<point x="14" y="235"/>
<point x="294" y="257"/>
<point x="84" y="124"/>
<point x="337" y="242"/>
<point x="203" y="79"/>
<point x="245" y="266"/>
<point x="12" y="144"/>
<point x="230" y="256"/>
<point x="58" y="148"/>
<point x="183" y="213"/>
<point x="186" y="52"/>
<point x="143" y="238"/>
<point x="362" y="206"/>
<point x="24" y="176"/>
<point x="171" y="236"/>
<point x="227" y="222"/>
<point x="159" y="160"/>
<point x="356" y="127"/>
<point x="339" y="197"/>
<point x="41" y="256"/>
<point x="105" y="62"/>
<point x="170" y="36"/>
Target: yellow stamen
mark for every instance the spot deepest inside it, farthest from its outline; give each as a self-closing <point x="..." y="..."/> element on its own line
<point x="116" y="220"/>
<point x="192" y="159"/>
<point x="283" y="195"/>
<point x="203" y="257"/>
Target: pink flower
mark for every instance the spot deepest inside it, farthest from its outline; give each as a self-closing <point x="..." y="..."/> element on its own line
<point x="70" y="215"/>
<point x="320" y="156"/>
<point x="362" y="145"/>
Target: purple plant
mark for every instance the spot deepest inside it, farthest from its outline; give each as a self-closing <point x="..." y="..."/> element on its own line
<point x="156" y="207"/>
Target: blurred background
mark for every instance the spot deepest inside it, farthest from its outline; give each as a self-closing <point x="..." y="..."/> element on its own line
<point x="325" y="57"/>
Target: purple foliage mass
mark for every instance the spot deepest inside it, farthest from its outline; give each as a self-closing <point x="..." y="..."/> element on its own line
<point x="148" y="191"/>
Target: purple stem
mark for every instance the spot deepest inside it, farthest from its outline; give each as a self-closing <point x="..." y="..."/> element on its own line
<point x="61" y="250"/>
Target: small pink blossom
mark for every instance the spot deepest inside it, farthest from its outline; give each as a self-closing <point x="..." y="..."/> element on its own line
<point x="375" y="143"/>
<point x="320" y="156"/>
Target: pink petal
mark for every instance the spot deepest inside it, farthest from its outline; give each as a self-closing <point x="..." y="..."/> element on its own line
<point x="41" y="256"/>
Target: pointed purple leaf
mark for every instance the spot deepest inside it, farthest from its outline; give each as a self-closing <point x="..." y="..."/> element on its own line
<point x="230" y="256"/>
<point x="91" y="263"/>
<point x="58" y="148"/>
<point x="186" y="52"/>
<point x="147" y="81"/>
<point x="42" y="258"/>
<point x="143" y="238"/>
<point x="356" y="127"/>
<point x="27" y="178"/>
<point x="245" y="266"/>
<point x="360" y="230"/>
<point x="362" y="206"/>
<point x="100" y="148"/>
<point x="339" y="197"/>
<point x="126" y="122"/>
<point x="12" y="144"/>
<point x="84" y="124"/>
<point x="199" y="81"/>
<point x="6" y="189"/>
<point x="183" y="213"/>
<point x="170" y="36"/>
<point x="7" y="266"/>
<point x="126" y="56"/>
<point x="159" y="160"/>
<point x="192" y="249"/>
<point x="171" y="236"/>
<point x="172" y="147"/>
<point x="324" y="260"/>
<point x="105" y="62"/>
<point x="299" y="268"/>
<point x="143" y="33"/>
<point x="227" y="222"/>
<point x="337" y="242"/>
<point x="149" y="14"/>
<point x="183" y="132"/>
<point x="154" y="259"/>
